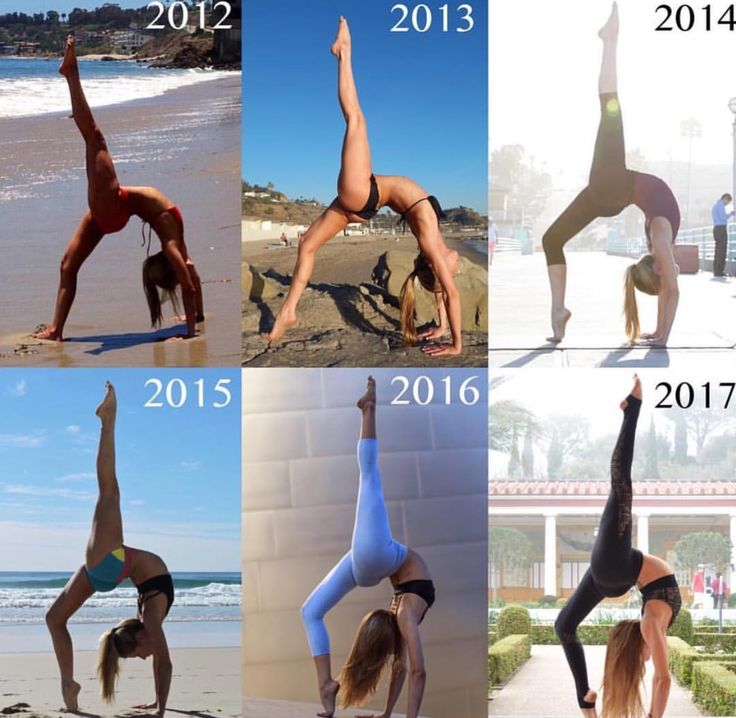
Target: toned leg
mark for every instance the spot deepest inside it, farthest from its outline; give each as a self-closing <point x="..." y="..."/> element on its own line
<point x="578" y="215"/>
<point x="332" y="221"/>
<point x="69" y="601"/>
<point x="608" y="80"/>
<point x="107" y="523"/>
<point x="367" y="406"/>
<point x="353" y="184"/>
<point x="102" y="182"/>
<point x="83" y="243"/>
<point x="331" y="590"/>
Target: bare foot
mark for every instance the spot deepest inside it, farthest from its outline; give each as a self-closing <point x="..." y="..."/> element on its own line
<point x="609" y="32"/>
<point x="636" y="391"/>
<point x="46" y="331"/>
<point x="283" y="321"/>
<point x="69" y="63"/>
<point x="70" y="692"/>
<point x="342" y="40"/>
<point x="328" y="696"/>
<point x="369" y="398"/>
<point x="107" y="409"/>
<point x="591" y="696"/>
<point x="559" y="324"/>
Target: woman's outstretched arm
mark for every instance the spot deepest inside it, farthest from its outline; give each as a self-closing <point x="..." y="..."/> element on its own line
<point x="657" y="642"/>
<point x="451" y="300"/>
<point x="669" y="293"/>
<point x="416" y="670"/>
<point x="188" y="289"/>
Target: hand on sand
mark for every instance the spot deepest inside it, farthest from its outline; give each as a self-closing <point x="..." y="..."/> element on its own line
<point x="442" y="350"/>
<point x="434" y="333"/>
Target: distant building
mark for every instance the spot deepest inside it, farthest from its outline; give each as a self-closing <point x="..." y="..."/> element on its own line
<point x="9" y="48"/>
<point x="91" y="37"/>
<point x="126" y="42"/>
<point x="29" y="48"/>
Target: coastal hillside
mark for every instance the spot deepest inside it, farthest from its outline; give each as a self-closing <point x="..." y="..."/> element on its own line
<point x="267" y="203"/>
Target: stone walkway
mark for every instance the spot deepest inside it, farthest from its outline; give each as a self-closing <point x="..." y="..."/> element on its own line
<point x="543" y="688"/>
<point x="705" y="326"/>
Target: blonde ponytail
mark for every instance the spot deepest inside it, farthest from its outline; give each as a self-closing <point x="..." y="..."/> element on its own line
<point x="118" y="643"/>
<point x="424" y="273"/>
<point x="639" y="276"/>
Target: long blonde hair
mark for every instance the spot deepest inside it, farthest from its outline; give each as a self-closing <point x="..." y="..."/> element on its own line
<point x="624" y="672"/>
<point x="158" y="272"/>
<point x="639" y="276"/>
<point x="377" y="644"/>
<point x="120" y="642"/>
<point x="426" y="276"/>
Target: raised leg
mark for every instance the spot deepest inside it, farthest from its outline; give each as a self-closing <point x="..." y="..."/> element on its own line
<point x="578" y="215"/>
<point x="102" y="181"/>
<point x="585" y="598"/>
<point x="332" y="589"/>
<point x="107" y="523"/>
<point x="608" y="78"/>
<point x="83" y="243"/>
<point x="367" y="406"/>
<point x="69" y="601"/>
<point x="353" y="184"/>
<point x="332" y="221"/>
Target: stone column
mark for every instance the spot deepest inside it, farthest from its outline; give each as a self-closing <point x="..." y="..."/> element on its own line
<point x="642" y="532"/>
<point x="550" y="555"/>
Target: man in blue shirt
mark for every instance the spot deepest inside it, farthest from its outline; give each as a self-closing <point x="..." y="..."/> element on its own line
<point x="720" y="233"/>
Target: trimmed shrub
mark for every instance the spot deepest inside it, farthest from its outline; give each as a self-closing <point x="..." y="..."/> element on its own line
<point x="561" y="603"/>
<point x="731" y="600"/>
<point x="682" y="626"/>
<point x="505" y="657"/>
<point x="513" y="621"/>
<point x="725" y="642"/>
<point x="492" y="637"/>
<point x="548" y="600"/>
<point x="590" y="635"/>
<point x="682" y="658"/>
<point x="714" y="687"/>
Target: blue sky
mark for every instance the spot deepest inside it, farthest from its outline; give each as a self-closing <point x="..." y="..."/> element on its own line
<point x="424" y="97"/>
<point x="178" y="469"/>
<point x="31" y="6"/>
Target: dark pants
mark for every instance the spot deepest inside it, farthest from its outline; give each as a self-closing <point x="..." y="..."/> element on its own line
<point x="720" y="234"/>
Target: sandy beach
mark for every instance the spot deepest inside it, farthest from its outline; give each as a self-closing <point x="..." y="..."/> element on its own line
<point x="343" y="318"/>
<point x="187" y="143"/>
<point x="206" y="683"/>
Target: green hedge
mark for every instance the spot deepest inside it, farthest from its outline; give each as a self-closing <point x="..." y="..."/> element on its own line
<point x="682" y="626"/>
<point x="513" y="621"/>
<point x="506" y="655"/>
<point x="682" y="658"/>
<point x="492" y="637"/>
<point x="714" y="687"/>
<point x="714" y="629"/>
<point x="726" y="641"/>
<point x="590" y="635"/>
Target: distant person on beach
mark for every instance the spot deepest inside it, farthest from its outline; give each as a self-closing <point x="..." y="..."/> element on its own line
<point x="611" y="188"/>
<point x="108" y="562"/>
<point x="284" y="241"/>
<point x="110" y="208"/>
<point x="360" y="195"/>
<point x="720" y="233"/>
<point x="697" y="587"/>
<point x="387" y="639"/>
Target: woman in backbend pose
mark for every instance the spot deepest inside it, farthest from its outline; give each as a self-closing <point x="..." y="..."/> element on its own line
<point x="614" y="568"/>
<point x="612" y="187"/>
<point x="385" y="637"/>
<point x="360" y="195"/>
<point x="108" y="562"/>
<point x="110" y="208"/>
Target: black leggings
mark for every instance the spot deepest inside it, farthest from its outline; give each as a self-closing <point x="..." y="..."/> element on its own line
<point x="614" y="564"/>
<point x="610" y="185"/>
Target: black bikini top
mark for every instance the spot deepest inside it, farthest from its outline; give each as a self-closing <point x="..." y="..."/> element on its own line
<point x="424" y="588"/>
<point x="663" y="589"/>
<point x="153" y="587"/>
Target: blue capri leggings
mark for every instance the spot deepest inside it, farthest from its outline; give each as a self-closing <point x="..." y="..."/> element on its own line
<point x="373" y="555"/>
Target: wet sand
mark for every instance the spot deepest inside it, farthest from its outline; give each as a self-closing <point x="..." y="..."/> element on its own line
<point x="342" y="319"/>
<point x="187" y="143"/>
<point x="205" y="683"/>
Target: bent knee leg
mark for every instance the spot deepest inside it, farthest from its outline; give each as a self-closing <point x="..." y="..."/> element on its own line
<point x="552" y="244"/>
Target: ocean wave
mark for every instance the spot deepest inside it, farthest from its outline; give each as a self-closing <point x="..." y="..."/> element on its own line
<point x="29" y="95"/>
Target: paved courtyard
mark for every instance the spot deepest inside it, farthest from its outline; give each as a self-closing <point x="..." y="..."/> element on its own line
<point x="543" y="687"/>
<point x="704" y="330"/>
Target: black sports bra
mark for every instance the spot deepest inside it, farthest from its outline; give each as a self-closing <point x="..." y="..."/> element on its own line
<point x="424" y="588"/>
<point x="663" y="589"/>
